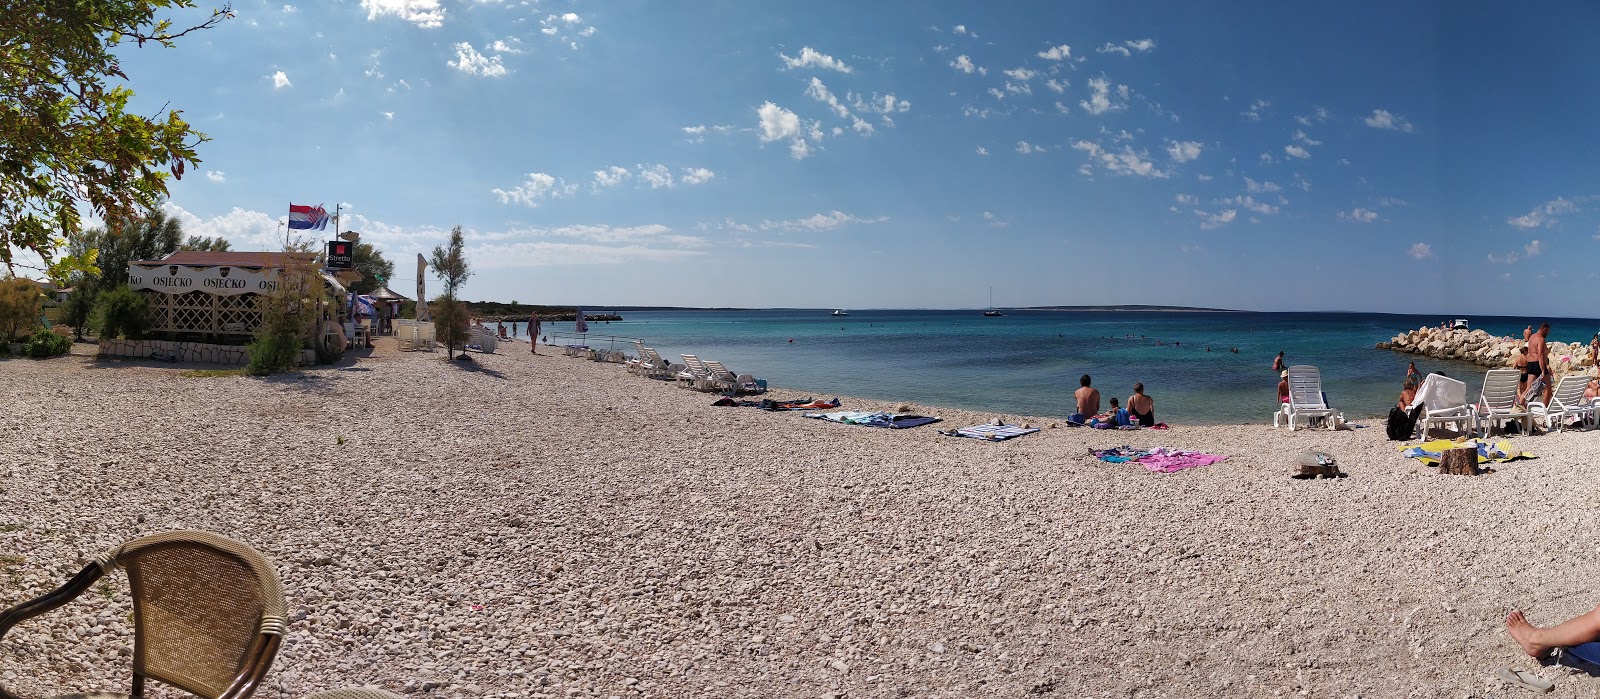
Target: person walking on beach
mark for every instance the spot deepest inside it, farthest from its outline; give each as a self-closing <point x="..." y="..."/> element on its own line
<point x="1088" y="400"/>
<point x="1141" y="408"/>
<point x="533" y="332"/>
<point x="1278" y="364"/>
<point x="1521" y="365"/>
<point x="1538" y="362"/>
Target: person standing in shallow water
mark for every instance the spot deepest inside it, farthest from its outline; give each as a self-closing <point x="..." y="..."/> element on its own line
<point x="533" y="332"/>
<point x="1277" y="364"/>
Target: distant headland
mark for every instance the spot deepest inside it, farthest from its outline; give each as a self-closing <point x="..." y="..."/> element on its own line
<point x="1134" y="308"/>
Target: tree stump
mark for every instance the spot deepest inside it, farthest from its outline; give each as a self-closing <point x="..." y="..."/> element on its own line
<point x="1460" y="462"/>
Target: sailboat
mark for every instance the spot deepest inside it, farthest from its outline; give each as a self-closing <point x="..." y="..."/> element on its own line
<point x="840" y="312"/>
<point x="992" y="313"/>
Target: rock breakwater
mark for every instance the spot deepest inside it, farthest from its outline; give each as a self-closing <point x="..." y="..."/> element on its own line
<point x="1483" y="349"/>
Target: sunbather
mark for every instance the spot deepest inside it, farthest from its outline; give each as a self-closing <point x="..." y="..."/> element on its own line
<point x="1141" y="408"/>
<point x="1538" y="641"/>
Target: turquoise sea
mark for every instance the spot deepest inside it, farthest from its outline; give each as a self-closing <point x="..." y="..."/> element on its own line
<point x="1029" y="362"/>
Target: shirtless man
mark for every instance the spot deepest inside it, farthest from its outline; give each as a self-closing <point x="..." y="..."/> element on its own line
<point x="1088" y="398"/>
<point x="1538" y="362"/>
<point x="1277" y="364"/>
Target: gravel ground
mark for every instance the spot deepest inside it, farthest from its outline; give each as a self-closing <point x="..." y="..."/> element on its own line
<point x="549" y="527"/>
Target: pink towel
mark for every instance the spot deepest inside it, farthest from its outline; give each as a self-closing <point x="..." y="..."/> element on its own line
<point x="1165" y="460"/>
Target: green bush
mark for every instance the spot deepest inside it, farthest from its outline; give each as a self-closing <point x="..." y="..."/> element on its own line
<point x="79" y="308"/>
<point x="20" y="305"/>
<point x="45" y="344"/>
<point x="272" y="353"/>
<point x="120" y="312"/>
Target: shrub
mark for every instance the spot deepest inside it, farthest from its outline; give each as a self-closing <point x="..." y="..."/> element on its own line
<point x="287" y="317"/>
<point x="47" y="344"/>
<point x="79" y="308"/>
<point x="21" y="302"/>
<point x="272" y="353"/>
<point x="120" y="312"/>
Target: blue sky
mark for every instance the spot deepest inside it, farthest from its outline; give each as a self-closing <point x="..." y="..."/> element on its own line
<point x="1348" y="156"/>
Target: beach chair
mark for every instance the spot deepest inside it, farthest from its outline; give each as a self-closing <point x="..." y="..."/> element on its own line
<point x="635" y="364"/>
<point x="719" y="379"/>
<point x="1305" y="398"/>
<point x="694" y="371"/>
<point x="655" y="366"/>
<point x="1566" y="401"/>
<point x="208" y="612"/>
<point x="1444" y="404"/>
<point x="1497" y="403"/>
<point x="750" y="384"/>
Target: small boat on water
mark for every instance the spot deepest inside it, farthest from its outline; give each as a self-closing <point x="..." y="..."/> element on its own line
<point x="840" y="312"/>
<point x="992" y="312"/>
<point x="1458" y="324"/>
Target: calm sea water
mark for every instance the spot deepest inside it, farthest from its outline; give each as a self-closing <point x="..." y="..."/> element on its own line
<point x="1028" y="362"/>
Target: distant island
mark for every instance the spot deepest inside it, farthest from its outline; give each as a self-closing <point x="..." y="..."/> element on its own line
<point x="1134" y="307"/>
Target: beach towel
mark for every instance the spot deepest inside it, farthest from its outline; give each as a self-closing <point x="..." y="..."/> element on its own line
<point x="876" y="418"/>
<point x="1431" y="452"/>
<point x="990" y="432"/>
<point x="802" y="404"/>
<point x="1158" y="459"/>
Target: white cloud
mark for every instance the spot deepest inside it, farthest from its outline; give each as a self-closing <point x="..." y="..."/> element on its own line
<point x="1249" y="203"/>
<point x="1254" y="113"/>
<point x="1303" y="138"/>
<point x="280" y="81"/>
<point x="1358" y="215"/>
<point x="1056" y="53"/>
<point x="810" y="57"/>
<point x="695" y="130"/>
<point x="997" y="93"/>
<point x="1297" y="151"/>
<point x="1508" y="258"/>
<point x="1125" y="162"/>
<point x="243" y="229"/>
<point x="1302" y="183"/>
<point x="819" y="222"/>
<point x="860" y="125"/>
<point x="1183" y="151"/>
<point x="657" y="176"/>
<point x="799" y="149"/>
<point x="587" y="32"/>
<point x="1127" y="48"/>
<point x="1533" y="249"/>
<point x="1188" y="199"/>
<point x="1057" y="86"/>
<point x="1383" y="119"/>
<point x="777" y="122"/>
<point x="500" y="46"/>
<point x="1018" y="88"/>
<point x="1100" y="100"/>
<point x="426" y="14"/>
<point x="819" y="92"/>
<point x="537" y="186"/>
<point x="216" y="176"/>
<point x="1209" y="220"/>
<point x="1020" y="73"/>
<point x="982" y="150"/>
<point x="1545" y="214"/>
<point x="1259" y="187"/>
<point x="959" y="29"/>
<point x="469" y="61"/>
<point x="387" y="116"/>
<point x="611" y="176"/>
<point x="1203" y="177"/>
<point x="1391" y="201"/>
<point x="1025" y="148"/>
<point x="697" y="175"/>
<point x="963" y="64"/>
<point x="1420" y="251"/>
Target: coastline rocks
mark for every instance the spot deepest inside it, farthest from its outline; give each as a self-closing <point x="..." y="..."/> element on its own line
<point x="1483" y="349"/>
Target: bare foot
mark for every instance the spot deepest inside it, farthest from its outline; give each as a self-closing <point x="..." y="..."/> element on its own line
<point x="1524" y="633"/>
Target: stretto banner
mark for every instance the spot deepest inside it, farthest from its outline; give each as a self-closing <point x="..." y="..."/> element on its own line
<point x="218" y="280"/>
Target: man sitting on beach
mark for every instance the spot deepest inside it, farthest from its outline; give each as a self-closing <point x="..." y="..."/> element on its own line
<point x="1088" y="400"/>
<point x="1141" y="408"/>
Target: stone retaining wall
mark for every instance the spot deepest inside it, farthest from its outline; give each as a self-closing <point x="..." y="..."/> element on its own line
<point x="1483" y="349"/>
<point x="233" y="355"/>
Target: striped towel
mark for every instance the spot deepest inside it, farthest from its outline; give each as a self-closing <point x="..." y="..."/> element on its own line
<point x="990" y="432"/>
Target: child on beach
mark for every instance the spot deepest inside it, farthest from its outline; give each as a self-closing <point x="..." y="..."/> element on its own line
<point x="1283" y="386"/>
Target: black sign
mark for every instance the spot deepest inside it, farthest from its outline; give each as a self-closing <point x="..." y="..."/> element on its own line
<point x="341" y="254"/>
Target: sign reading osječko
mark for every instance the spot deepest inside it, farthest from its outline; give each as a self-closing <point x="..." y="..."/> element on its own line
<point x="220" y="280"/>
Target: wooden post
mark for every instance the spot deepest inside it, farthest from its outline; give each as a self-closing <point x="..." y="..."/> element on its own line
<point x="1460" y="462"/>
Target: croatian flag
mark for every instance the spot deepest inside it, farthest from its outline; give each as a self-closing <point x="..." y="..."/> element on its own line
<point x="307" y="217"/>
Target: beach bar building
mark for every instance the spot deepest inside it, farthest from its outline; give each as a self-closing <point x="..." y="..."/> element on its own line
<point x="214" y="293"/>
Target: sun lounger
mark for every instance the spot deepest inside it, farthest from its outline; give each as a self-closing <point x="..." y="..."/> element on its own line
<point x="1497" y="403"/>
<point x="694" y="372"/>
<point x="1444" y="403"/>
<point x="1305" y="398"/>
<point x="718" y="378"/>
<point x="990" y="432"/>
<point x="1566" y="402"/>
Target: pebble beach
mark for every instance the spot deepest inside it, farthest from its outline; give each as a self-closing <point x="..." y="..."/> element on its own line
<point x="542" y="526"/>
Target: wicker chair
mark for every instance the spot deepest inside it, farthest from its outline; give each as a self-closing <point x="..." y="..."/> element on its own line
<point x="208" y="612"/>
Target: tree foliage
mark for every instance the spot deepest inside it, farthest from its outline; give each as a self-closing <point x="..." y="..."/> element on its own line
<point x="289" y="313"/>
<point x="67" y="139"/>
<point x="206" y="244"/>
<point x="370" y="262"/>
<point x="120" y="312"/>
<point x="79" y="309"/>
<point x="152" y="236"/>
<point x="21" y="303"/>
<point x="450" y="266"/>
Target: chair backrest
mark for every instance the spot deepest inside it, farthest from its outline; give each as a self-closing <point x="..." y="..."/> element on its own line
<point x="1500" y="389"/>
<point x="1568" y="392"/>
<point x="718" y="371"/>
<point x="1305" y="387"/>
<point x="696" y="367"/>
<point x="1440" y="392"/>
<point x="203" y="607"/>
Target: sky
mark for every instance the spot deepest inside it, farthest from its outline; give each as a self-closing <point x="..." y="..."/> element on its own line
<point x="1384" y="157"/>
